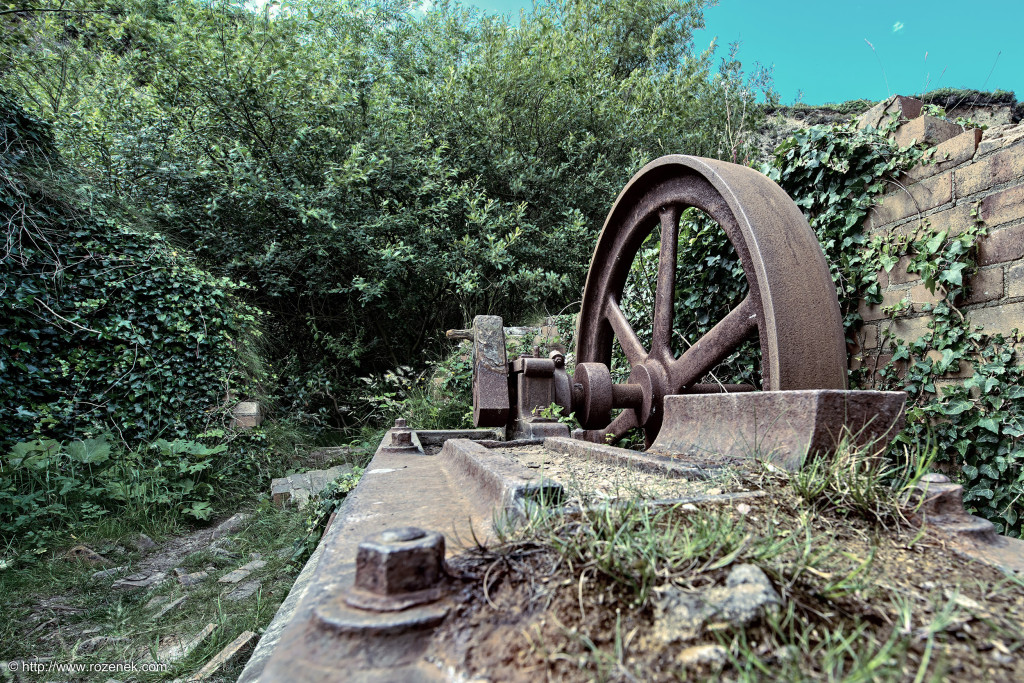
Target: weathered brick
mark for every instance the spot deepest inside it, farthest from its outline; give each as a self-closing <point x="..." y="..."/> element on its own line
<point x="908" y="107"/>
<point x="955" y="219"/>
<point x="926" y="130"/>
<point x="966" y="368"/>
<point x="899" y="275"/>
<point x="907" y="329"/>
<point x="946" y="155"/>
<point x="1003" y="206"/>
<point x="912" y="200"/>
<point x="1000" y="246"/>
<point x="883" y="279"/>
<point x="920" y="295"/>
<point x="985" y="285"/>
<point x="889" y="298"/>
<point x="1015" y="280"/>
<point x="868" y="337"/>
<point x="999" y="319"/>
<point x="1001" y="167"/>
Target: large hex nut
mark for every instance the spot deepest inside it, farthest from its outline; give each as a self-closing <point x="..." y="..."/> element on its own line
<point x="398" y="568"/>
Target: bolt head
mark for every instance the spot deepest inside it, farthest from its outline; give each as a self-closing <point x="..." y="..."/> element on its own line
<point x="397" y="561"/>
<point x="400" y="423"/>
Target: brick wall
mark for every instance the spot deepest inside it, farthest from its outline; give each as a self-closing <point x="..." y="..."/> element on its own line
<point x="978" y="175"/>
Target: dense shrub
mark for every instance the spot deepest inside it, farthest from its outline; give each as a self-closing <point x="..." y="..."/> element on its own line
<point x="374" y="173"/>
<point x="104" y="326"/>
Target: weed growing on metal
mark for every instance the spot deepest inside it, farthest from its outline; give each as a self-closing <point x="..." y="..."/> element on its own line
<point x="861" y="481"/>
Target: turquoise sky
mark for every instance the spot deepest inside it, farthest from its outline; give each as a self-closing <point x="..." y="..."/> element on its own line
<point x="819" y="47"/>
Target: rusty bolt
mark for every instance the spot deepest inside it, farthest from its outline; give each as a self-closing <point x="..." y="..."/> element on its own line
<point x="400" y="423"/>
<point x="401" y="439"/>
<point x="400" y="561"/>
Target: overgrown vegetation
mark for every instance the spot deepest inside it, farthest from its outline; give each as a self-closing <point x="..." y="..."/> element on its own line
<point x="372" y="173"/>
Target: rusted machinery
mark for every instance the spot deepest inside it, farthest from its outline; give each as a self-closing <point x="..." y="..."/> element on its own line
<point x="367" y="603"/>
<point x="791" y="307"/>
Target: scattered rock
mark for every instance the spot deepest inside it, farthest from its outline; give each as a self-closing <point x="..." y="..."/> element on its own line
<point x="85" y="554"/>
<point x="969" y="604"/>
<point x="144" y="542"/>
<point x="230" y="525"/>
<point x="220" y="552"/>
<point x="167" y="608"/>
<point x="223" y="657"/>
<point x="174" y="648"/>
<point x="703" y="654"/>
<point x="186" y="579"/>
<point x="255" y="556"/>
<point x="93" y="644"/>
<point x="140" y="580"/>
<point x="244" y="591"/>
<point x="680" y="614"/>
<point x="743" y="509"/>
<point x="109" y="573"/>
<point x="242" y="572"/>
<point x="283" y="553"/>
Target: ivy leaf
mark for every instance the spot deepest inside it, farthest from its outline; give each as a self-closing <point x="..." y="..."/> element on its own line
<point x="990" y="424"/>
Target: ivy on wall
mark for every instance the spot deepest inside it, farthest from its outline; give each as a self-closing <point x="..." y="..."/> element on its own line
<point x="975" y="426"/>
<point x="103" y="325"/>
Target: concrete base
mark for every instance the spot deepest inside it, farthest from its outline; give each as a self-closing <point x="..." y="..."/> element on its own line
<point x="781" y="427"/>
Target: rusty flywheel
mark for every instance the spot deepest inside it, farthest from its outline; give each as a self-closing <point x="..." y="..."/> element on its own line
<point x="791" y="304"/>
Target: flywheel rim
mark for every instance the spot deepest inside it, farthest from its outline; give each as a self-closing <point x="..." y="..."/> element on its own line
<point x="791" y="301"/>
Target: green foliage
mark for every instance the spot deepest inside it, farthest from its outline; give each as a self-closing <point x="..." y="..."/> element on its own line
<point x="372" y="173"/>
<point x="833" y="173"/>
<point x="103" y="325"/>
<point x="319" y="510"/>
<point x="47" y="486"/>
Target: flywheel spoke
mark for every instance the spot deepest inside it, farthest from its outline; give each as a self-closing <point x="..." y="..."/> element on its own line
<point x="622" y="424"/>
<point x="664" y="297"/>
<point x="631" y="346"/>
<point x="713" y="347"/>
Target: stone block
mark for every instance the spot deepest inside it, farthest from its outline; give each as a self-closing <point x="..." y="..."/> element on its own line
<point x="1000" y="246"/>
<point x="999" y="319"/>
<point x="781" y="427"/>
<point x="926" y="130"/>
<point x="1015" y="280"/>
<point x="985" y="285"/>
<point x="230" y="651"/>
<point x="242" y="572"/>
<point x="246" y="415"/>
<point x="1002" y="167"/>
<point x="1002" y="207"/>
<point x="907" y="108"/>
<point x="911" y="200"/>
<point x="946" y="155"/>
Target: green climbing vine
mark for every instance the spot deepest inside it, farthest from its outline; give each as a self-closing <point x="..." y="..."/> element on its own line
<point x="974" y="425"/>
